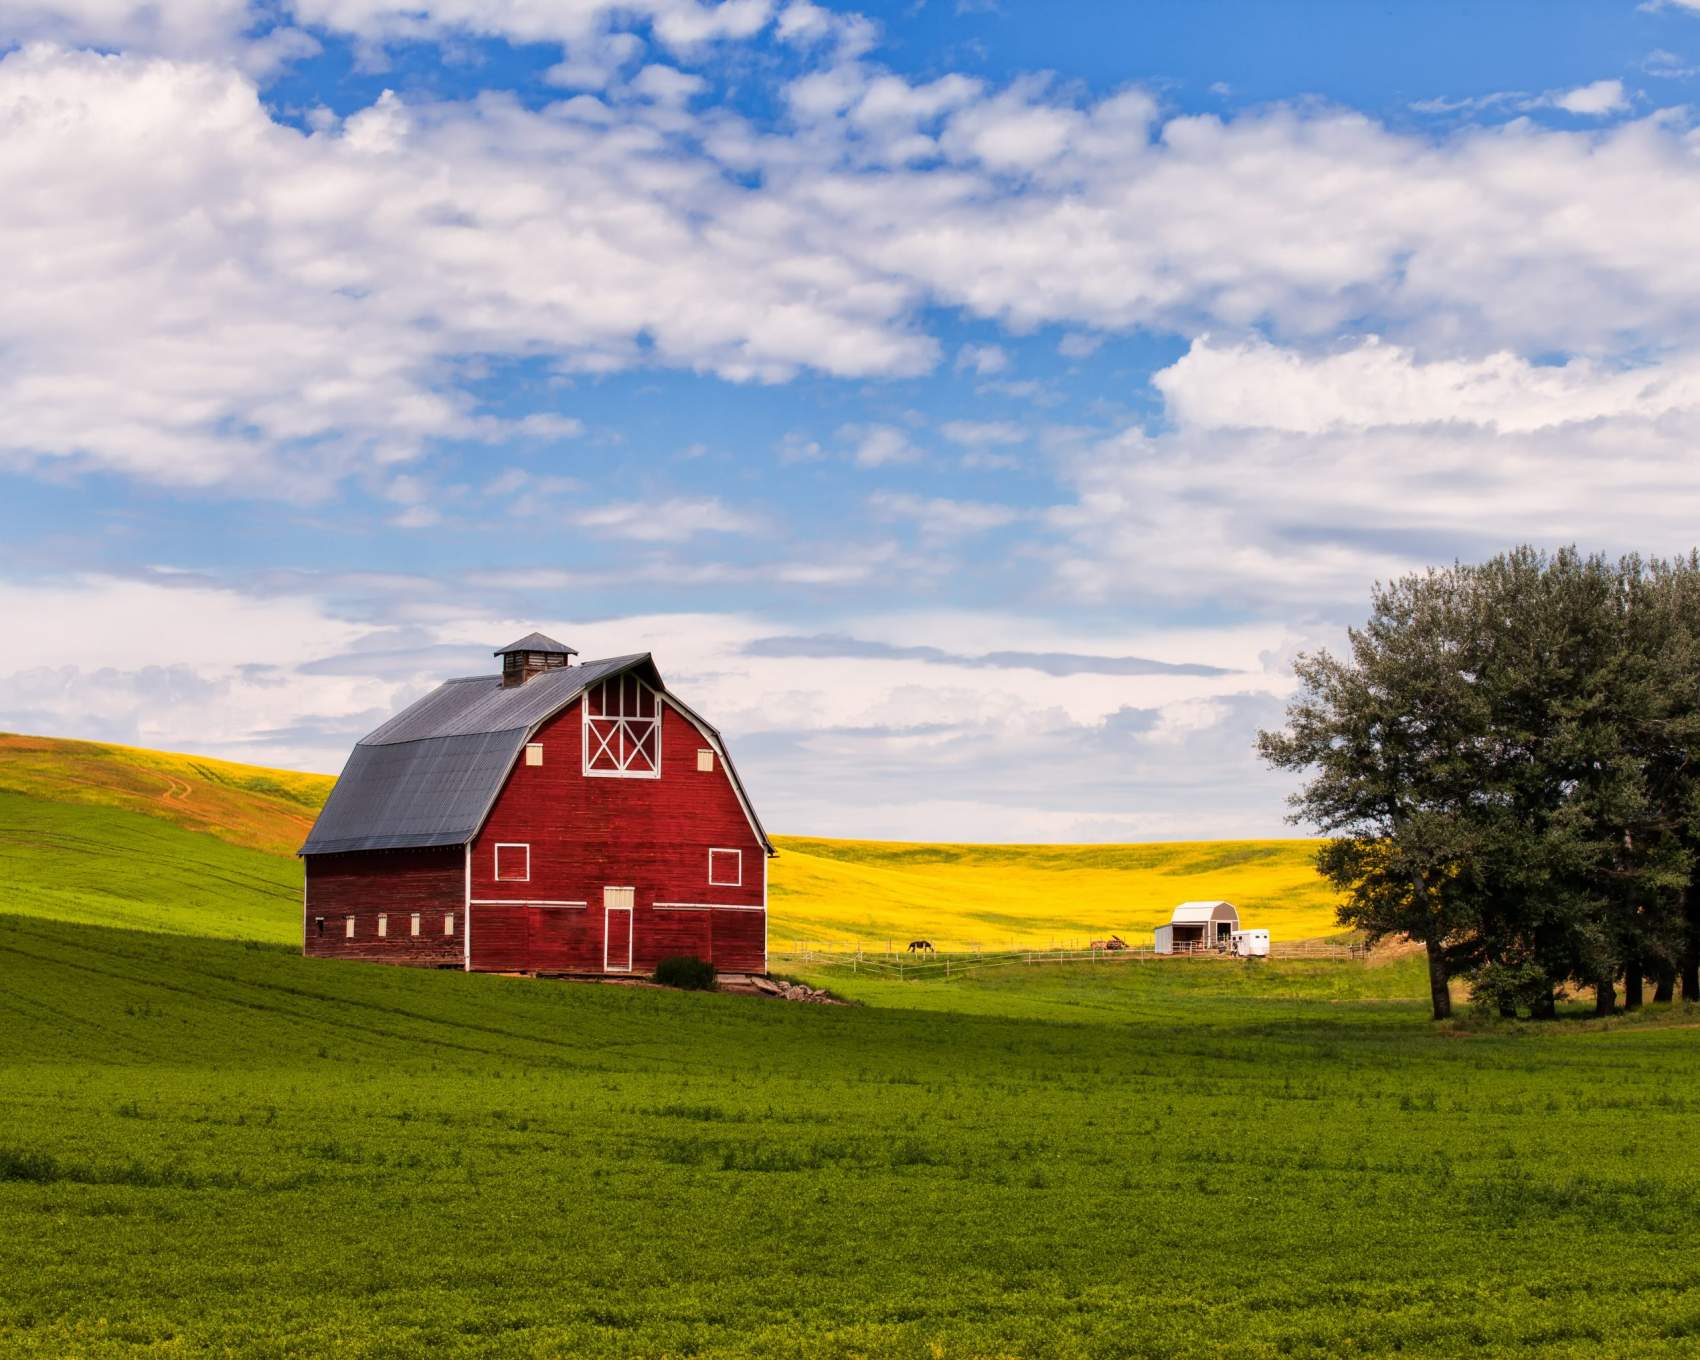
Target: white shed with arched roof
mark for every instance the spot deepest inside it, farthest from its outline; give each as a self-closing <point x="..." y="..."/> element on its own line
<point x="1198" y="925"/>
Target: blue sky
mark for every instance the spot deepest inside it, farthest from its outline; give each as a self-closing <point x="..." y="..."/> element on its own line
<point x="974" y="406"/>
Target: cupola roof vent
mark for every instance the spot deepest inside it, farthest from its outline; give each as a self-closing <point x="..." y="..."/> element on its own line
<point x="537" y="642"/>
<point x="532" y="655"/>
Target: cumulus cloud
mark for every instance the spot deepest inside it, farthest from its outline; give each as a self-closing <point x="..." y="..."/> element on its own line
<point x="1594" y="100"/>
<point x="216" y="297"/>
<point x="1299" y="478"/>
<point x="206" y="27"/>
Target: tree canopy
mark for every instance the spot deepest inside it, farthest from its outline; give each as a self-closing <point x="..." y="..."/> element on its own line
<point x="1506" y="764"/>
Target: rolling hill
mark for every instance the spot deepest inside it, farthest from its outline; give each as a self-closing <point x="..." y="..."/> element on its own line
<point x="117" y="835"/>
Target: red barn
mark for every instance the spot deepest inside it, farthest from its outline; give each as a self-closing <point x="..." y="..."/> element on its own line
<point x="560" y="817"/>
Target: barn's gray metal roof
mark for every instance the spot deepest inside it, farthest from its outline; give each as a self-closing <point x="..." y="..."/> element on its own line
<point x="537" y="642"/>
<point x="429" y="776"/>
<point x="405" y="795"/>
<point x="480" y="703"/>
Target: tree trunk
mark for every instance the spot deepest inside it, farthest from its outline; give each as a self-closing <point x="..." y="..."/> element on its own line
<point x="1634" y="985"/>
<point x="1605" y="996"/>
<point x="1664" y="983"/>
<point x="1691" y="946"/>
<point x="1507" y="1008"/>
<point x="1543" y="1007"/>
<point x="1439" y="984"/>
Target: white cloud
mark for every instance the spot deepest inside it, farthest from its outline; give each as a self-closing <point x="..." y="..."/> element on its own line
<point x="217" y="298"/>
<point x="983" y="360"/>
<point x="942" y="516"/>
<point x="1298" y="479"/>
<point x="1256" y="385"/>
<point x="668" y="521"/>
<point x="976" y="433"/>
<point x="879" y="445"/>
<point x="1593" y="101"/>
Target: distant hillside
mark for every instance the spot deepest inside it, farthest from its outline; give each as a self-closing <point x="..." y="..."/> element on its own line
<point x="117" y="835"/>
<point x="247" y="805"/>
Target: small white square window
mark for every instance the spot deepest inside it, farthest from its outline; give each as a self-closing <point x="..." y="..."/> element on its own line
<point x="415" y="923"/>
<point x="348" y="927"/>
<point x="448" y="923"/>
<point x="383" y="925"/>
<point x="513" y="862"/>
<point x="534" y="753"/>
<point x="726" y="868"/>
<point x="705" y="760"/>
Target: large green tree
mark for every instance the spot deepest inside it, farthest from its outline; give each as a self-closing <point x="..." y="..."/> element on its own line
<point x="1389" y="736"/>
<point x="1507" y="766"/>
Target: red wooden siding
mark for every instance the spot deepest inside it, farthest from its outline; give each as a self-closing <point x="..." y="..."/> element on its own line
<point x="588" y="833"/>
<point x="395" y="884"/>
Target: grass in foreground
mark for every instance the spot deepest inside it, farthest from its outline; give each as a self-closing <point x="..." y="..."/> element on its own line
<point x="221" y="1147"/>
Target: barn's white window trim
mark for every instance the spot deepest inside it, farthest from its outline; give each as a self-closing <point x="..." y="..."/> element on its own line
<point x="705" y="906"/>
<point x="348" y="926"/>
<point x="622" y="729"/>
<point x="519" y="872"/>
<point x="416" y="923"/>
<point x="728" y="873"/>
<point x="705" y="760"/>
<point x="448" y="923"/>
<point x="383" y="926"/>
<point x="534" y="753"/>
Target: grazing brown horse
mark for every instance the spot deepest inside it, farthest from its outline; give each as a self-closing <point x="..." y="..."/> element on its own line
<point x="1113" y="943"/>
<point x="921" y="947"/>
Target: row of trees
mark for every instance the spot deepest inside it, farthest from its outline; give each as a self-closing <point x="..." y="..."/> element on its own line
<point x="1507" y="764"/>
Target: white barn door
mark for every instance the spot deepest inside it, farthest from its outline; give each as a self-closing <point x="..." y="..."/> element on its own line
<point x="617" y="930"/>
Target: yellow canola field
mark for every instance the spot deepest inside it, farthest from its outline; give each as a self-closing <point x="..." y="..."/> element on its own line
<point x="880" y="893"/>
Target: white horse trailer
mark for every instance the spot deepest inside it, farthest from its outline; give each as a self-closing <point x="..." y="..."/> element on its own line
<point x="1251" y="944"/>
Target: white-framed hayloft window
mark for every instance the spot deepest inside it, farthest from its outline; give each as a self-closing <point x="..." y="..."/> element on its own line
<point x="726" y="868"/>
<point x="534" y="753"/>
<point x="622" y="729"/>
<point x="705" y="760"/>
<point x="513" y="862"/>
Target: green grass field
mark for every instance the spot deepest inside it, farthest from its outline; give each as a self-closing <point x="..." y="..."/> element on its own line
<point x="212" y="1146"/>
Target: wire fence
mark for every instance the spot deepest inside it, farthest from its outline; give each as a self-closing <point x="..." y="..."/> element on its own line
<point x="903" y="964"/>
